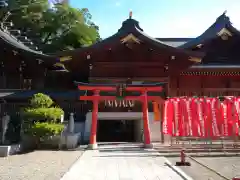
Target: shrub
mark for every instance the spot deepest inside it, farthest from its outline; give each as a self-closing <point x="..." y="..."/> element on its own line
<point x="41" y="101"/>
<point x="41" y="130"/>
<point x="43" y="114"/>
<point x="40" y="119"/>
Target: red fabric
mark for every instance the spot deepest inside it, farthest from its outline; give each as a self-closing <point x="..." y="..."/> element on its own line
<point x="195" y="117"/>
<point x="238" y="110"/>
<point x="230" y="117"/>
<point x="184" y="116"/>
<point x="224" y="117"/>
<point x="204" y="117"/>
<point x="168" y="117"/>
<point x="235" y="116"/>
<point x="205" y="112"/>
<point x="214" y="110"/>
<point x="219" y="117"/>
<point x="165" y="117"/>
<point x="178" y="109"/>
<point x="174" y="127"/>
<point x="200" y="112"/>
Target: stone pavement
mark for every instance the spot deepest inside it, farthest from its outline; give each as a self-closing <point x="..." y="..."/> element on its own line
<point x="121" y="164"/>
<point x="37" y="165"/>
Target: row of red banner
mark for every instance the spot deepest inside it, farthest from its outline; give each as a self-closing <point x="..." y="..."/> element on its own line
<point x="202" y="117"/>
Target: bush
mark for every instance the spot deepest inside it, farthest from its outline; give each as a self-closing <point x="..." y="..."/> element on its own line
<point x="41" y="101"/>
<point x="40" y="114"/>
<point x="40" y="119"/>
<point x="42" y="130"/>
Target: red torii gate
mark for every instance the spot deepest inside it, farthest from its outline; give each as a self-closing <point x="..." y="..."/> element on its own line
<point x="144" y="98"/>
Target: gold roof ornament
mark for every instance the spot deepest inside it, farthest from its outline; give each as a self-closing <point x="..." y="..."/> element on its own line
<point x="200" y="45"/>
<point x="61" y="66"/>
<point x="130" y="15"/>
<point x="195" y="59"/>
<point x="65" y="58"/>
<point x="224" y="34"/>
<point x="14" y="52"/>
<point x="130" y="39"/>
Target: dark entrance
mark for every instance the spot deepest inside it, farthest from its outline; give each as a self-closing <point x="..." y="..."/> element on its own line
<point x="116" y="131"/>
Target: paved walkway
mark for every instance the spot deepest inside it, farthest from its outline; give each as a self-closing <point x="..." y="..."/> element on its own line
<point x="37" y="165"/>
<point x="120" y="164"/>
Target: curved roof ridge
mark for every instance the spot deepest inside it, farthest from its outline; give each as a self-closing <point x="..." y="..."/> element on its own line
<point x="221" y="22"/>
<point x="12" y="40"/>
<point x="130" y="27"/>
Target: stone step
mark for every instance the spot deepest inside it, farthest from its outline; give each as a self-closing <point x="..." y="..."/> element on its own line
<point x="202" y="154"/>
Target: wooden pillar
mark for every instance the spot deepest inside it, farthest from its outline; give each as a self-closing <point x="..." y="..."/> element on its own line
<point x="147" y="141"/>
<point x="93" y="135"/>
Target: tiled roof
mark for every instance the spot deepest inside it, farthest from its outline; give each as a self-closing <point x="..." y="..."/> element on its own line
<point x="174" y="42"/>
<point x="212" y="32"/>
<point x="131" y="27"/>
<point x="8" y="40"/>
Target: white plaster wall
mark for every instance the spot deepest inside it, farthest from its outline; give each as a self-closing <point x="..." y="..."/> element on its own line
<point x="155" y="134"/>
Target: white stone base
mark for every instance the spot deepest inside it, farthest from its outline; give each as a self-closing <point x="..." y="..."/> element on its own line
<point x="6" y="150"/>
<point x="70" y="140"/>
<point x="92" y="146"/>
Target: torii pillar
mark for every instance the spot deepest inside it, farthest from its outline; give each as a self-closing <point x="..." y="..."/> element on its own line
<point x="93" y="135"/>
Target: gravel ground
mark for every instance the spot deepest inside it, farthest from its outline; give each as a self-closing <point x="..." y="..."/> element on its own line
<point x="226" y="166"/>
<point x="37" y="165"/>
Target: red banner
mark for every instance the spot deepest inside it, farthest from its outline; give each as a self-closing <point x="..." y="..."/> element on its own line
<point x="202" y="117"/>
<point x="214" y="109"/>
<point x="235" y="116"/>
<point x="200" y="112"/>
<point x="193" y="115"/>
<point x="168" y="117"/>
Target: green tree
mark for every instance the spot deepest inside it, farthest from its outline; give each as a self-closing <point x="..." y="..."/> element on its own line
<point x="40" y="100"/>
<point x="41" y="109"/>
<point x="40" y="119"/>
<point x="53" y="29"/>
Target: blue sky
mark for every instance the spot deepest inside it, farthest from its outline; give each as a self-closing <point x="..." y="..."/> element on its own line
<point x="160" y="18"/>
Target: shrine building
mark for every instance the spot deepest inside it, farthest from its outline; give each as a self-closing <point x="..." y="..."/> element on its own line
<point x="147" y="69"/>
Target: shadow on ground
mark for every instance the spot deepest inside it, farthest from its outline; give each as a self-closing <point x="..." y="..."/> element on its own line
<point x="79" y="148"/>
<point x="129" y="155"/>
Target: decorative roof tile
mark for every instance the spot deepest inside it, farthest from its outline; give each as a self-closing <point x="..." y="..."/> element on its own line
<point x="221" y="25"/>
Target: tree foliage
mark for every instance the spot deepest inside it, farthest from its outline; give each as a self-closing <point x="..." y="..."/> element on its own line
<point x="52" y="114"/>
<point x="41" y="109"/>
<point x="40" y="119"/>
<point x="40" y="100"/>
<point x="53" y="29"/>
<point x="42" y="130"/>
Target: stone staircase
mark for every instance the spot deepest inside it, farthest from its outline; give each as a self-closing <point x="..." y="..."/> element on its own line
<point x="199" y="148"/>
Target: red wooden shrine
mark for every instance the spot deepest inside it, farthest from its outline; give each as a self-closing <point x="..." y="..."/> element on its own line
<point x="96" y="98"/>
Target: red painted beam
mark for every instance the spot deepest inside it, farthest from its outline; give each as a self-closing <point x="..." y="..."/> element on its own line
<point x="100" y="88"/>
<point x="112" y="88"/>
<point x="141" y="89"/>
<point x="137" y="98"/>
<point x="192" y="76"/>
